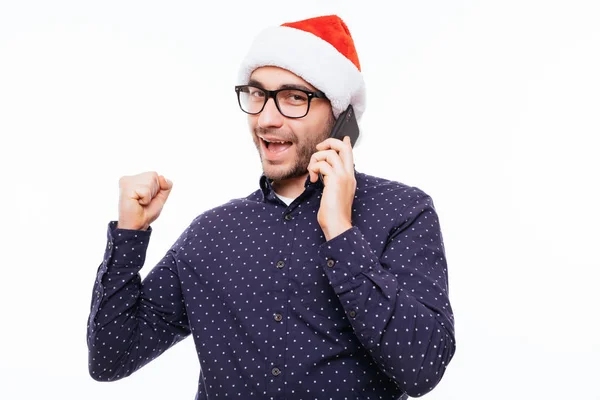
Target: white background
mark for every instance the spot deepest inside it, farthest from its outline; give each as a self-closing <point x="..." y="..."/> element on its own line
<point x="491" y="107"/>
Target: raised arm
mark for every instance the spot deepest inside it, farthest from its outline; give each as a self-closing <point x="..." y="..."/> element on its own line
<point x="132" y="322"/>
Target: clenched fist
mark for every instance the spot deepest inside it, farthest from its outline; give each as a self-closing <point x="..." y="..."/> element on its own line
<point x="141" y="199"/>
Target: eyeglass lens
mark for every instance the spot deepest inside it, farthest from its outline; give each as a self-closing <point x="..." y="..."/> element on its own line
<point x="292" y="103"/>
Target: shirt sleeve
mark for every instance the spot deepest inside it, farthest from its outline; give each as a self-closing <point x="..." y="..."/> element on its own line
<point x="132" y="322"/>
<point x="398" y="303"/>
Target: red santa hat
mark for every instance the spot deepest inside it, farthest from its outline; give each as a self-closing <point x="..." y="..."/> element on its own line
<point x="321" y="51"/>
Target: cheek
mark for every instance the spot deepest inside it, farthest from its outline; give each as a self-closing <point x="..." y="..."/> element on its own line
<point x="305" y="132"/>
<point x="321" y="125"/>
<point x="252" y="122"/>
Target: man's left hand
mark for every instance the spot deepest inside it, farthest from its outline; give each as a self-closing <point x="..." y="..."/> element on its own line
<point x="334" y="160"/>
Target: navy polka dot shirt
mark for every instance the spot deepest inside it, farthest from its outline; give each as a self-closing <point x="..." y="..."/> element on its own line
<point x="275" y="310"/>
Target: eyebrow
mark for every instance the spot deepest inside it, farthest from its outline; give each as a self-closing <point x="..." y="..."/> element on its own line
<point x="254" y="82"/>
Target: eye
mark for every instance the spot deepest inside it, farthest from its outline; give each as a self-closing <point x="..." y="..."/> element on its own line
<point x="294" y="97"/>
<point x="256" y="93"/>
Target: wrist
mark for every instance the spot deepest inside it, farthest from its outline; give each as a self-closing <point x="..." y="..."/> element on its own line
<point x="131" y="227"/>
<point x="337" y="230"/>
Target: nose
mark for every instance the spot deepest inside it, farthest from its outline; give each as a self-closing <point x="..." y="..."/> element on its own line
<point x="270" y="117"/>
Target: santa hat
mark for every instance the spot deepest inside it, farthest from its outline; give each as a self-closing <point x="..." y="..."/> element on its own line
<point x="321" y="51"/>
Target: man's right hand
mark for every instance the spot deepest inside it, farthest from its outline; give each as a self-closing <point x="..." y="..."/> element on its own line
<point x="141" y="199"/>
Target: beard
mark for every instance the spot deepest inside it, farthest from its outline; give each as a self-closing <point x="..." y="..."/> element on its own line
<point x="304" y="149"/>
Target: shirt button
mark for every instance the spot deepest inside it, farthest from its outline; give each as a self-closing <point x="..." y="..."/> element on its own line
<point x="280" y="264"/>
<point x="278" y="317"/>
<point x="287" y="217"/>
<point x="276" y="371"/>
<point x="330" y="263"/>
<point x="352" y="313"/>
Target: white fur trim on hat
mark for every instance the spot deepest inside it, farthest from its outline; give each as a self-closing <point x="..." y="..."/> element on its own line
<point x="314" y="60"/>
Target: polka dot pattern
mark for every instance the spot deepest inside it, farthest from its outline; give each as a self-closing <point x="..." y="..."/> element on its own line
<point x="275" y="310"/>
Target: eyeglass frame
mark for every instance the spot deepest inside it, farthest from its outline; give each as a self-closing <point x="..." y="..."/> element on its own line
<point x="272" y="94"/>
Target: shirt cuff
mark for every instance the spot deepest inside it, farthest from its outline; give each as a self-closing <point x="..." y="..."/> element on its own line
<point x="346" y="255"/>
<point x="126" y="246"/>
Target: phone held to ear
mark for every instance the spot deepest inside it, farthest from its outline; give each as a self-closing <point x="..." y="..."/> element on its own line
<point x="345" y="125"/>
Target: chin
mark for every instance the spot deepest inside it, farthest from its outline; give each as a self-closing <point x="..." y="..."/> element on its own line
<point x="275" y="172"/>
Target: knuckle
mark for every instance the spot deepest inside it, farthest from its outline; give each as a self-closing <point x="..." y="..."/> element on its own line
<point x="149" y="175"/>
<point x="142" y="188"/>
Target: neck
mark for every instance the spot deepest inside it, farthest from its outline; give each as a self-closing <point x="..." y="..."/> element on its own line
<point x="292" y="187"/>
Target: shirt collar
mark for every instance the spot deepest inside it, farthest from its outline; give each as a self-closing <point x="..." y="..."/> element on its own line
<point x="267" y="188"/>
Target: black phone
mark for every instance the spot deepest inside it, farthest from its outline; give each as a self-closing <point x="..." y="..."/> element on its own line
<point x="345" y="125"/>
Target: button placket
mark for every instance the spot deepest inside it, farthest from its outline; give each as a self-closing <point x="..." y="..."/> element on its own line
<point x="277" y="337"/>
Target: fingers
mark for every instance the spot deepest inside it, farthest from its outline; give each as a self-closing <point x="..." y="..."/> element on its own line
<point x="331" y="153"/>
<point x="143" y="194"/>
<point x="343" y="148"/>
<point x="142" y="199"/>
<point x="331" y="156"/>
<point x="147" y="188"/>
<point x="320" y="166"/>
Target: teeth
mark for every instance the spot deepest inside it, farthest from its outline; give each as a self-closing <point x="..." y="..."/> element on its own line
<point x="272" y="141"/>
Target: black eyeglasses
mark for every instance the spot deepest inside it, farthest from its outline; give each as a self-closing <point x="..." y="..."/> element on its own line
<point x="291" y="103"/>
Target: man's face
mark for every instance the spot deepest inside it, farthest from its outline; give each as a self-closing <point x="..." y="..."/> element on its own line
<point x="303" y="133"/>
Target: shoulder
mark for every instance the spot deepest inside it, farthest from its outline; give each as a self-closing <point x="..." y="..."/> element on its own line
<point x="390" y="200"/>
<point x="212" y="221"/>
<point x="386" y="191"/>
<point x="226" y="213"/>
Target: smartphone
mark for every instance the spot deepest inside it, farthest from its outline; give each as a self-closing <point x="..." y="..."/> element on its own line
<point x="345" y="125"/>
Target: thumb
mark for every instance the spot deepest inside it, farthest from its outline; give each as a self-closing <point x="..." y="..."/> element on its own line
<point x="164" y="183"/>
<point x="157" y="203"/>
<point x="164" y="190"/>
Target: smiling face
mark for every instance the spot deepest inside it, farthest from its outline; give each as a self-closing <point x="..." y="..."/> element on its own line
<point x="290" y="160"/>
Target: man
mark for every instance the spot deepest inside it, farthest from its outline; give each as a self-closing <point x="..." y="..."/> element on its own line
<point x="306" y="288"/>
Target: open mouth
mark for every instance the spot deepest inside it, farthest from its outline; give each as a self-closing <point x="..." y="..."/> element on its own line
<point x="276" y="147"/>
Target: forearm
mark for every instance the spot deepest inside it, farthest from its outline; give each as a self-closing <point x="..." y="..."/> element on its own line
<point x="410" y="341"/>
<point x="127" y="328"/>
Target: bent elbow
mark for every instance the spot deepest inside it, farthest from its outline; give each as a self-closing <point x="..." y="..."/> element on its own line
<point x="100" y="374"/>
<point x="429" y="375"/>
<point x="417" y="378"/>
<point x="423" y="383"/>
<point x="107" y="371"/>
